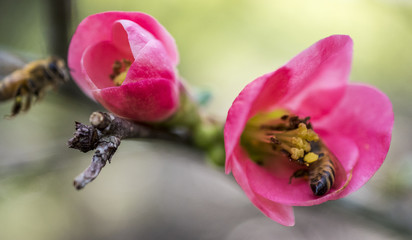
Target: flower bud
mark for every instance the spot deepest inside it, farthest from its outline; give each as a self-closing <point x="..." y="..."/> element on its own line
<point x="127" y="62"/>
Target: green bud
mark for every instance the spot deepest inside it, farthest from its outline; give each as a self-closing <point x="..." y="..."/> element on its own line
<point x="216" y="155"/>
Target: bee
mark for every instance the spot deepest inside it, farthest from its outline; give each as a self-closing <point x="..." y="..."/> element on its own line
<point x="32" y="80"/>
<point x="321" y="173"/>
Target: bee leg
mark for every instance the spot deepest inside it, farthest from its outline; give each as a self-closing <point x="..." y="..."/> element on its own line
<point x="299" y="174"/>
<point x="18" y="99"/>
<point x="31" y="90"/>
<point x="27" y="103"/>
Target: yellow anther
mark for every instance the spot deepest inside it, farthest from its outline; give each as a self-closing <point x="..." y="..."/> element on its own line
<point x="118" y="76"/>
<point x="298" y="142"/>
<point x="310" y="158"/>
<point x="307" y="134"/>
<point x="306" y="146"/>
<point x="296" y="153"/>
<point x="312" y="136"/>
<point x="280" y="132"/>
<point x="119" y="79"/>
<point x="302" y="130"/>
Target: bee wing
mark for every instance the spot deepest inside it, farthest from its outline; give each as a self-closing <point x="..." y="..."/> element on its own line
<point x="9" y="62"/>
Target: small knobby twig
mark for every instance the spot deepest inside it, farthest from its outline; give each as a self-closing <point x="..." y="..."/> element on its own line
<point x="104" y="135"/>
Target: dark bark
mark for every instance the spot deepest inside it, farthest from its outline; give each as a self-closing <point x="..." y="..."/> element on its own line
<point x="104" y="136"/>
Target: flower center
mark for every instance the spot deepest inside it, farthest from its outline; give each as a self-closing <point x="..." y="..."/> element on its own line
<point x="292" y="136"/>
<point x="119" y="71"/>
<point x="280" y="133"/>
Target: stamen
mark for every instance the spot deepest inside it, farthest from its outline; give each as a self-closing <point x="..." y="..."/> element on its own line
<point x="291" y="135"/>
<point x="117" y="65"/>
<point x="312" y="136"/>
<point x="298" y="142"/>
<point x="119" y="71"/>
<point x="296" y="153"/>
<point x="306" y="146"/>
<point x="275" y="140"/>
<point x="284" y="117"/>
<point x="276" y="133"/>
<point x="268" y="136"/>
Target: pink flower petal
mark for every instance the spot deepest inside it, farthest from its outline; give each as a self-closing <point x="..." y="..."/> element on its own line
<point x="321" y="69"/>
<point x="151" y="59"/>
<point x="149" y="100"/>
<point x="98" y="61"/>
<point x="272" y="182"/>
<point x="243" y="107"/>
<point x="151" y="62"/>
<point x="281" y="213"/>
<point x="325" y="66"/>
<point x="353" y="121"/>
<point x="158" y="31"/>
<point x="347" y="155"/>
<point x="130" y="36"/>
<point x="365" y="116"/>
<point x="97" y="28"/>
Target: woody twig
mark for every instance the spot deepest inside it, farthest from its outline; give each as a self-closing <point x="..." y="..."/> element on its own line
<point x="104" y="136"/>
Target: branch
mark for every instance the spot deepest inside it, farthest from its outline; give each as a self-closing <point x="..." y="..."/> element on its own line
<point x="104" y="135"/>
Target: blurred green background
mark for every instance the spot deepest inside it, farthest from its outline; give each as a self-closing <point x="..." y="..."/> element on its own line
<point x="159" y="190"/>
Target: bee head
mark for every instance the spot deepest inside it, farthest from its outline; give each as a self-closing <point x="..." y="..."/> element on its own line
<point x="58" y="68"/>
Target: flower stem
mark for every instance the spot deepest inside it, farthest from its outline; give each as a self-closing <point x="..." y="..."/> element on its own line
<point x="206" y="132"/>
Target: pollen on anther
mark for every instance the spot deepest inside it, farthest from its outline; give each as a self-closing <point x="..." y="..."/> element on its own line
<point x="296" y="153"/>
<point x="298" y="142"/>
<point x="310" y="157"/>
<point x="119" y="71"/>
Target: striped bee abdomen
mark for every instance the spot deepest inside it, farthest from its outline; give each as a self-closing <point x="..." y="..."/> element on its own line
<point x="8" y="87"/>
<point x="322" y="175"/>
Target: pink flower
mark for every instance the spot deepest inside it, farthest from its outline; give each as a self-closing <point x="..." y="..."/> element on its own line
<point x="353" y="121"/>
<point x="127" y="62"/>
